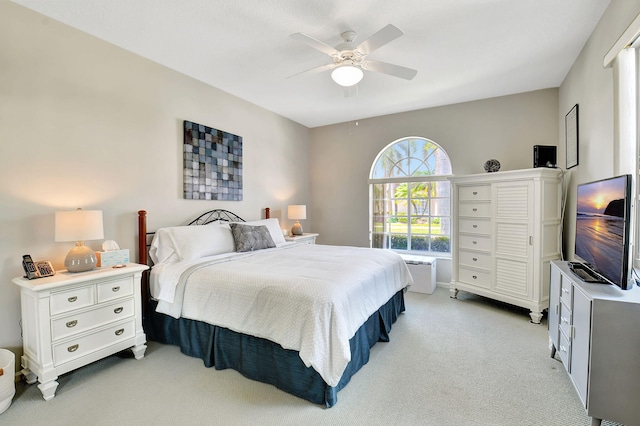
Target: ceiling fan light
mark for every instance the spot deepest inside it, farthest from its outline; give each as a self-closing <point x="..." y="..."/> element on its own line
<point x="347" y="75"/>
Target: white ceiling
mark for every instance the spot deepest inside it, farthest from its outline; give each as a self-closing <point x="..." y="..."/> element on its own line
<point x="463" y="49"/>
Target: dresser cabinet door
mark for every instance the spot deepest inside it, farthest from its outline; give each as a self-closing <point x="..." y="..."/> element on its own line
<point x="580" y="343"/>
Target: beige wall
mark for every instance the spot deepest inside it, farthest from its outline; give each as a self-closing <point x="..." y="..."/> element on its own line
<point x="591" y="86"/>
<point x="86" y="124"/>
<point x="505" y="128"/>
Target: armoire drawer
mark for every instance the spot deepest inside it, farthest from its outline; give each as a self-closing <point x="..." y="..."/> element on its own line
<point x="474" y="226"/>
<point x="475" y="259"/>
<point x="475" y="242"/>
<point x="474" y="192"/>
<point x="475" y="277"/>
<point x="475" y="210"/>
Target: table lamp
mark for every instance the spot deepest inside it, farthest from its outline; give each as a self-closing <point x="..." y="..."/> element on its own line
<point x="298" y="211"/>
<point x="79" y="226"/>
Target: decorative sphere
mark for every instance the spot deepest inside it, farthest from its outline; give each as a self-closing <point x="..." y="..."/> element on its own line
<point x="492" y="165"/>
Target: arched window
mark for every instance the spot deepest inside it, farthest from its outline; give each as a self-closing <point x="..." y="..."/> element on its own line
<point x="410" y="197"/>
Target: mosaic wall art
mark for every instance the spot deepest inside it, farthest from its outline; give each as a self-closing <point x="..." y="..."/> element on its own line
<point x="212" y="164"/>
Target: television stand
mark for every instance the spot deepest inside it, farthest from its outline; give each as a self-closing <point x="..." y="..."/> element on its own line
<point x="584" y="273"/>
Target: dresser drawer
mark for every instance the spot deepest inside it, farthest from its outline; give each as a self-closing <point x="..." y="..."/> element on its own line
<point x="475" y="242"/>
<point x="115" y="289"/>
<point x="474" y="226"/>
<point x="65" y="301"/>
<point x="564" y="351"/>
<point x="475" y="277"/>
<point x="76" y="348"/>
<point x="565" y="319"/>
<point x="475" y="192"/>
<point x="474" y="210"/>
<point x="566" y="291"/>
<point x="74" y="324"/>
<point x="474" y="259"/>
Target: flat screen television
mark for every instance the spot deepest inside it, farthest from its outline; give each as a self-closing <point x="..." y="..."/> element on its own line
<point x="602" y="229"/>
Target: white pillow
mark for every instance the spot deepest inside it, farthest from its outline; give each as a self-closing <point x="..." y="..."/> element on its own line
<point x="191" y="242"/>
<point x="161" y="249"/>
<point x="273" y="225"/>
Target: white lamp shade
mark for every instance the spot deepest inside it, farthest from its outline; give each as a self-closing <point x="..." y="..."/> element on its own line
<point x="297" y="211"/>
<point x="347" y="75"/>
<point x="78" y="225"/>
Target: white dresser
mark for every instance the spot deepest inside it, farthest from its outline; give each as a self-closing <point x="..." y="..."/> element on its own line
<point x="594" y="331"/>
<point x="506" y="229"/>
<point x="72" y="319"/>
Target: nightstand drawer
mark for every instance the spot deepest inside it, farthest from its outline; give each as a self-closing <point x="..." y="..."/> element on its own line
<point x="565" y="351"/>
<point x="115" y="289"/>
<point x="76" y="348"/>
<point x="74" y="324"/>
<point x="65" y="301"/>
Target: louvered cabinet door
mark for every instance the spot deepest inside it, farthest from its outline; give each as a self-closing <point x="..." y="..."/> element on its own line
<point x="513" y="238"/>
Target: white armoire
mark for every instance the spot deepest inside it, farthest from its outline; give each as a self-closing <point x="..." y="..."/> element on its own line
<point x="506" y="230"/>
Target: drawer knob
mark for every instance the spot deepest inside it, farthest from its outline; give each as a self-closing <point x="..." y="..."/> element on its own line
<point x="72" y="323"/>
<point x="73" y="348"/>
<point x="474" y="209"/>
<point x="72" y="299"/>
<point x="475" y="226"/>
<point x="475" y="242"/>
<point x="475" y="259"/>
<point x="118" y="310"/>
<point x="565" y="290"/>
<point x="475" y="277"/>
<point x="119" y="332"/>
<point x="563" y="348"/>
<point x="115" y="289"/>
<point x="564" y="320"/>
<point x="475" y="192"/>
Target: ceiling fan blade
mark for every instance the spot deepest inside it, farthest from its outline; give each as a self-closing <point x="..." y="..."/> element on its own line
<point x="316" y="44"/>
<point x="391" y="69"/>
<point x="315" y="70"/>
<point x="379" y="39"/>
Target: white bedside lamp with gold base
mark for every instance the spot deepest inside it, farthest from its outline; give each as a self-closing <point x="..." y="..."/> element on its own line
<point x="297" y="211"/>
<point x="79" y="226"/>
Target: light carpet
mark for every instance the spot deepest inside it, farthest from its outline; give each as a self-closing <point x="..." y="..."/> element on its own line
<point x="470" y="361"/>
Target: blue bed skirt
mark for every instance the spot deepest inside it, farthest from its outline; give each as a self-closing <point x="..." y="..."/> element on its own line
<point x="266" y="361"/>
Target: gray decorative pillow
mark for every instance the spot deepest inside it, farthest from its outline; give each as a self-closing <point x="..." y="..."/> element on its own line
<point x="249" y="238"/>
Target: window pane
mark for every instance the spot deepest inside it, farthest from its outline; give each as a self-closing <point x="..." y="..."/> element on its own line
<point x="420" y="243"/>
<point x="441" y="244"/>
<point x="399" y="241"/>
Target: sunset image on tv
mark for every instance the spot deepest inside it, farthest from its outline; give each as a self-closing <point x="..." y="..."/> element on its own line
<point x="600" y="226"/>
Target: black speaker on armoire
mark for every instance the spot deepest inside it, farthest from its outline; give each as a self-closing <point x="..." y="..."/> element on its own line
<point x="544" y="156"/>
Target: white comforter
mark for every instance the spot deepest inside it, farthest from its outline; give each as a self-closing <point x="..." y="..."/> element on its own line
<point x="308" y="298"/>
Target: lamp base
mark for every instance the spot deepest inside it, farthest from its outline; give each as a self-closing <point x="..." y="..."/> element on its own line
<point x="296" y="229"/>
<point x="80" y="258"/>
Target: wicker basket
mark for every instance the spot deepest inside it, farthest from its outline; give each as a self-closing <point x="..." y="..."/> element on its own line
<point x="7" y="378"/>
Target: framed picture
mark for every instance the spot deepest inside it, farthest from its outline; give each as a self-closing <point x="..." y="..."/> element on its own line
<point x="571" y="136"/>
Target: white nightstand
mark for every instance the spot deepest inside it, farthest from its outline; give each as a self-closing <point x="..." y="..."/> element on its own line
<point x="72" y="319"/>
<point x="309" y="238"/>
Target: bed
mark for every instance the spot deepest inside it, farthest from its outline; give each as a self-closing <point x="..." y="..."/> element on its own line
<point x="302" y="317"/>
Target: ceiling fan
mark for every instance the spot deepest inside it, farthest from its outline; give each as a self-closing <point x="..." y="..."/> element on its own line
<point x="350" y="59"/>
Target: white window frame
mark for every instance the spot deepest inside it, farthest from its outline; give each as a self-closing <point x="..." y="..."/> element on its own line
<point x="408" y="180"/>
